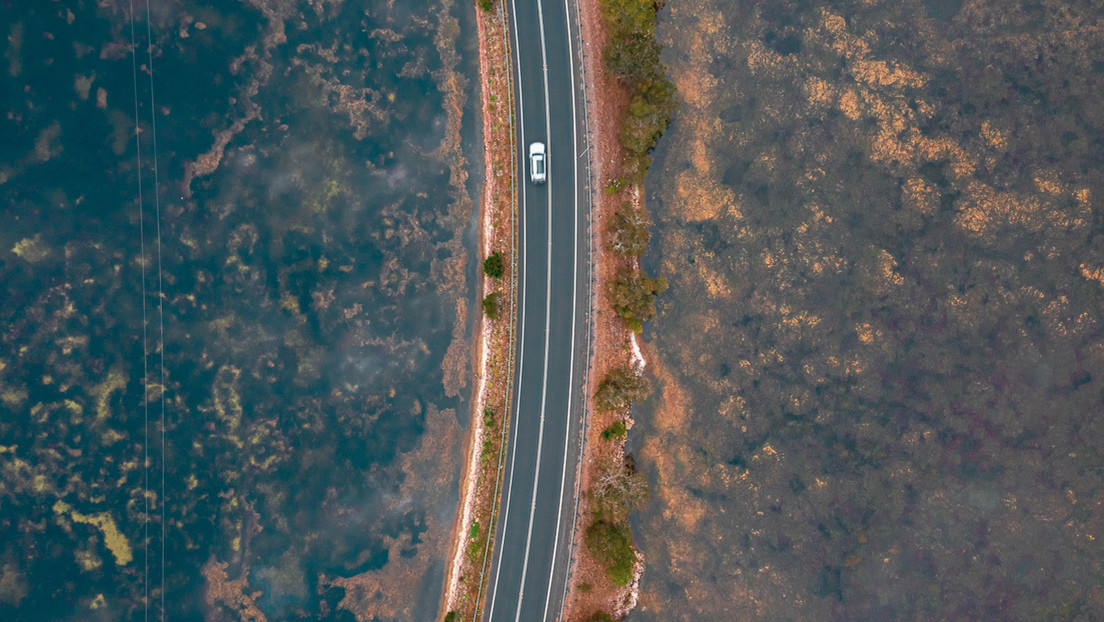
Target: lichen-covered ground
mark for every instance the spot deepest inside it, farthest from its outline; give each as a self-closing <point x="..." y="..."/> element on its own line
<point x="313" y="197"/>
<point x="882" y="353"/>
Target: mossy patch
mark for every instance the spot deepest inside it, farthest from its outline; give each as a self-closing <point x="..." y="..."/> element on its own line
<point x="115" y="541"/>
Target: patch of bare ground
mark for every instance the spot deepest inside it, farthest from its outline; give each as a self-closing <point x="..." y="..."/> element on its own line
<point x="472" y="531"/>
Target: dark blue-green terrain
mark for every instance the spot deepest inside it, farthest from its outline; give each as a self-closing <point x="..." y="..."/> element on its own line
<point x="232" y="360"/>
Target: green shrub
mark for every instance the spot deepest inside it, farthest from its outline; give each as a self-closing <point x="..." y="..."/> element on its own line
<point x="611" y="543"/>
<point x="616" y="429"/>
<point x="450" y="616"/>
<point x="488" y="450"/>
<point x="491" y="305"/>
<point x="486" y="5"/>
<point x="615" y="185"/>
<point x="632" y="296"/>
<point x="647" y="117"/>
<point x="619" y="389"/>
<point x="493" y="266"/>
<point x="584" y="587"/>
<point x="600" y="616"/>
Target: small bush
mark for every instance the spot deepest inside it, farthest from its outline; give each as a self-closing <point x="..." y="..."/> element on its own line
<point x="474" y="530"/>
<point x="619" y="389"/>
<point x="486" y="5"/>
<point x="491" y="305"/>
<point x="450" y="616"/>
<point x="611" y="543"/>
<point x="616" y="429"/>
<point x="584" y="587"/>
<point x="600" y="616"/>
<point x="488" y="450"/>
<point x="493" y="266"/>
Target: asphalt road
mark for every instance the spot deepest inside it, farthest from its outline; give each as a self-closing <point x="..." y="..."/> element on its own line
<point x="537" y="516"/>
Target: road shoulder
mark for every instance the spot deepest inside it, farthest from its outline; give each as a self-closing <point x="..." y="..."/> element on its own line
<point x="472" y="538"/>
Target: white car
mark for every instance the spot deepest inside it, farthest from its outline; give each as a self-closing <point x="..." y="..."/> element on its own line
<point x="537" y="163"/>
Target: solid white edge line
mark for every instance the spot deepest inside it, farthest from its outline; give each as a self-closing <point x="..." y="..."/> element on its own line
<point x="574" y="303"/>
<point x="547" y="312"/>
<point x="489" y="612"/>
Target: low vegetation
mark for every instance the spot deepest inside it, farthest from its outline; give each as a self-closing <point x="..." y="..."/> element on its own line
<point x="614" y="430"/>
<point x="616" y="491"/>
<point x="619" y="389"/>
<point x="611" y="544"/>
<point x="632" y="296"/>
<point x="627" y="230"/>
<point x="494" y="266"/>
<point x="492" y="304"/>
<point x="632" y="55"/>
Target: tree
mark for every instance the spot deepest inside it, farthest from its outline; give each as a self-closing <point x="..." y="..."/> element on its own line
<point x="619" y="389"/>
<point x="632" y="296"/>
<point x="633" y="58"/>
<point x="627" y="230"/>
<point x="650" y="108"/>
<point x="493" y="266"/>
<point x="632" y="54"/>
<point x="616" y="491"/>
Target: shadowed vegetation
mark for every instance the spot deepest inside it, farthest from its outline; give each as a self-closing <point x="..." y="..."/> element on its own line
<point x="632" y="54"/>
<point x="619" y="389"/>
<point x="632" y="295"/>
<point x="627" y="230"/>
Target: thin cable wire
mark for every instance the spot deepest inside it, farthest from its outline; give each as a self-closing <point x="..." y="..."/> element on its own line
<point x="160" y="291"/>
<point x="145" y="347"/>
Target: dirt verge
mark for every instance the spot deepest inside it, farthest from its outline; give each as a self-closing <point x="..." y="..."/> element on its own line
<point x="473" y="529"/>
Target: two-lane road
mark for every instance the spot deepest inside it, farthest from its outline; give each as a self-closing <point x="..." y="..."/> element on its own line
<point x="537" y="516"/>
